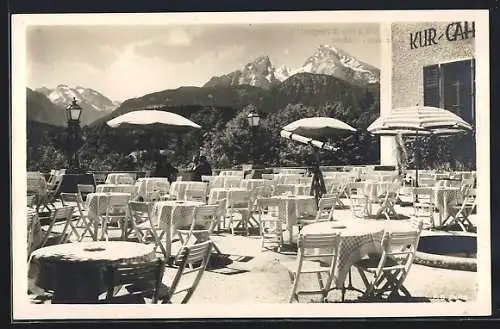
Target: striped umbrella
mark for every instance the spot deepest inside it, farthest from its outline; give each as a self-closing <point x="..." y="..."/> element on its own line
<point x="419" y="121"/>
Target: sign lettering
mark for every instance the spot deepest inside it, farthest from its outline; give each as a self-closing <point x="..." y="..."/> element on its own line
<point x="454" y="31"/>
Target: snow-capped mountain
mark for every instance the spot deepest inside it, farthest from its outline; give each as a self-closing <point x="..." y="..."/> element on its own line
<point x="93" y="103"/>
<point x="258" y="73"/>
<point x="326" y="60"/>
<point x="336" y="62"/>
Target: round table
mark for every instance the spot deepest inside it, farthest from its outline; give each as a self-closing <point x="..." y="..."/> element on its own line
<point x="75" y="271"/>
<point x="360" y="238"/>
<point x="172" y="214"/>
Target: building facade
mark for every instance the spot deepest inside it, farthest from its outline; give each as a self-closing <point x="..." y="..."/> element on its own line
<point x="433" y="64"/>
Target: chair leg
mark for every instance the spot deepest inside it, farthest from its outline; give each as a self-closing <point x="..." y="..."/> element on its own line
<point x="293" y="294"/>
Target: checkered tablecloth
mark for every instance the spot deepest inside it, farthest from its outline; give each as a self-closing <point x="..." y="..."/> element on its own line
<point x="178" y="188"/>
<point x="360" y="238"/>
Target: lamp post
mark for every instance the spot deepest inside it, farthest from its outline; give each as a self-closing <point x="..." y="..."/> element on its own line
<point x="74" y="138"/>
<point x="253" y="122"/>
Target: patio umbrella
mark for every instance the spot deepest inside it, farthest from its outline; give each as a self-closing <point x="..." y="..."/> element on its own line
<point x="168" y="122"/>
<point x="419" y="121"/>
<point x="305" y="131"/>
<point x="318" y="127"/>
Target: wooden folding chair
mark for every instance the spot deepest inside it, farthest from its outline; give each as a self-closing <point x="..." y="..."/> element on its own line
<point x="63" y="213"/>
<point x="141" y="281"/>
<point x="270" y="225"/>
<point x="205" y="219"/>
<point x="142" y="224"/>
<point x="423" y="205"/>
<point x="460" y="213"/>
<point x="239" y="202"/>
<point x="388" y="200"/>
<point x="326" y="207"/>
<point x="191" y="261"/>
<point x="391" y="270"/>
<point x="311" y="262"/>
<point x="357" y="198"/>
<point x="116" y="213"/>
<point x="280" y="189"/>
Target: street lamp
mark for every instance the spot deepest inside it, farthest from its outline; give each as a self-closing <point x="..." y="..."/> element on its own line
<point x="253" y="122"/>
<point x="74" y="139"/>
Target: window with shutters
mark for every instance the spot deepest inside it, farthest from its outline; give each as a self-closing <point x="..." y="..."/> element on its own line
<point x="451" y="86"/>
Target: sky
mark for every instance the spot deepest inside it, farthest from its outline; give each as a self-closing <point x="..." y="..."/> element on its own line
<point x="129" y="61"/>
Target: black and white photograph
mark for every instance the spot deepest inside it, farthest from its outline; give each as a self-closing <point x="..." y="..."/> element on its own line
<point x="259" y="164"/>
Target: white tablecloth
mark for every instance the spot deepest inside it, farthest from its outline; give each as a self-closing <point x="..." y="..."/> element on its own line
<point x="120" y="178"/>
<point x="152" y="185"/>
<point x="251" y="184"/>
<point x="292" y="206"/>
<point x="97" y="204"/>
<point x="122" y="188"/>
<point x="178" y="188"/>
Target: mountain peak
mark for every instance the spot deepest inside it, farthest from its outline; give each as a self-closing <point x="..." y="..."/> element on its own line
<point x="327" y="60"/>
<point x="93" y="103"/>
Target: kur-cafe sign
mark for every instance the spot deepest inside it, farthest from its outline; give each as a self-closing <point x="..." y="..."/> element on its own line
<point x="452" y="32"/>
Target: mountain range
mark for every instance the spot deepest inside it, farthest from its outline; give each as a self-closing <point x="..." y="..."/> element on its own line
<point x="329" y="75"/>
<point x="327" y="60"/>
<point x="47" y="104"/>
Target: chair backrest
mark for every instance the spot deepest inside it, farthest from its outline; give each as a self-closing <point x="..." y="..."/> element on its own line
<point x="319" y="247"/>
<point x="65" y="213"/>
<point x="196" y="194"/>
<point x="232" y="181"/>
<point x="125" y="274"/>
<point x="83" y="190"/>
<point x="422" y="194"/>
<point x="268" y="205"/>
<point x="326" y="206"/>
<point x="401" y="247"/>
<point x="280" y="189"/>
<point x="205" y="216"/>
<point x="139" y="209"/>
<point x="197" y="257"/>
<point x="239" y="199"/>
<point x="31" y="200"/>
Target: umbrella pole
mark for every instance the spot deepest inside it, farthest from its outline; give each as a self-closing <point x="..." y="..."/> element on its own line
<point x="317" y="184"/>
<point x="417" y="156"/>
